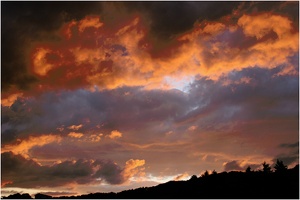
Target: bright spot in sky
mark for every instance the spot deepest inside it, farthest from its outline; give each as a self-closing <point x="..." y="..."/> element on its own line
<point x="181" y="83"/>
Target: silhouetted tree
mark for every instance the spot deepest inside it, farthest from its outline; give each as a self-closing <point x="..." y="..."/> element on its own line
<point x="248" y="170"/>
<point x="279" y="166"/>
<point x="214" y="172"/>
<point x="194" y="177"/>
<point x="266" y="168"/>
<point x="206" y="173"/>
<point x="18" y="196"/>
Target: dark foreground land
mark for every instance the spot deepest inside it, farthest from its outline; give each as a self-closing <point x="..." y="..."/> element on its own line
<point x="233" y="185"/>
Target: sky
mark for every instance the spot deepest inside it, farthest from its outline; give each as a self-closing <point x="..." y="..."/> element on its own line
<point x="108" y="96"/>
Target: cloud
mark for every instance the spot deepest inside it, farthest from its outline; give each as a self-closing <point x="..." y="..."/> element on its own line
<point x="115" y="55"/>
<point x="181" y="176"/>
<point x="89" y="21"/>
<point x="75" y="135"/>
<point x="241" y="165"/>
<point x="141" y="47"/>
<point x="75" y="128"/>
<point x="192" y="128"/>
<point x="115" y="134"/>
<point x="10" y="99"/>
<point x="95" y="138"/>
<point x="27" y="173"/>
<point x="85" y="110"/>
<point x="290" y="145"/>
<point x="23" y="146"/>
<point x="22" y="28"/>
<point x="254" y="115"/>
<point x="132" y="168"/>
<point x="218" y="53"/>
<point x="289" y="160"/>
<point x="232" y="165"/>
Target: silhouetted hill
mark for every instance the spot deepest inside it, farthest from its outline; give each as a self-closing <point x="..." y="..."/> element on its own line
<point x="241" y="185"/>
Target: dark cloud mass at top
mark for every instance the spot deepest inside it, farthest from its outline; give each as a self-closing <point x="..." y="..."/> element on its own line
<point x="171" y="18"/>
<point x="24" y="23"/>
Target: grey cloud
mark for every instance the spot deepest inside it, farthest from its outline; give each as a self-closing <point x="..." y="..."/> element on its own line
<point x="290" y="145"/>
<point x="110" y="172"/>
<point x="123" y="108"/>
<point x="265" y="97"/>
<point x="232" y="165"/>
<point x="287" y="159"/>
<point x="254" y="166"/>
<point x="235" y="165"/>
<point x="27" y="173"/>
<point x="58" y="193"/>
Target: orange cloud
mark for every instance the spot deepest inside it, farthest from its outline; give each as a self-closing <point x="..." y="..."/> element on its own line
<point x="192" y="128"/>
<point x="260" y="25"/>
<point x="40" y="64"/>
<point x="75" y="127"/>
<point x="89" y="21"/>
<point x="115" y="134"/>
<point x="132" y="168"/>
<point x="217" y="57"/>
<point x="25" y="145"/>
<point x="214" y="28"/>
<point x="4" y="183"/>
<point x="109" y="57"/>
<point x="181" y="176"/>
<point x="288" y="70"/>
<point x="8" y="101"/>
<point x="95" y="137"/>
<point x="75" y="135"/>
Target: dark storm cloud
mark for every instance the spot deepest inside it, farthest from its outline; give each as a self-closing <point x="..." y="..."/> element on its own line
<point x="22" y="24"/>
<point x="171" y="18"/>
<point x="27" y="173"/>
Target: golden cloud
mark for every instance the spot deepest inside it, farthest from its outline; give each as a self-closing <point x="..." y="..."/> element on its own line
<point x="25" y="145"/>
<point x="115" y="134"/>
<point x="132" y="168"/>
<point x="110" y="57"/>
<point x="8" y="101"/>
<point x="181" y="176"/>
<point x="75" y="135"/>
<point x="75" y="127"/>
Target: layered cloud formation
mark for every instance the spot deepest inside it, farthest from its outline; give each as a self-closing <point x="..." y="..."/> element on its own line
<point x="164" y="95"/>
<point x="27" y="173"/>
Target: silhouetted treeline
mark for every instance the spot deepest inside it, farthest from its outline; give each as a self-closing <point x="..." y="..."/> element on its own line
<point x="265" y="184"/>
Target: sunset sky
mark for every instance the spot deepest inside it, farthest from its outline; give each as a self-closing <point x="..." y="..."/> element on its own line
<point x="108" y="96"/>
